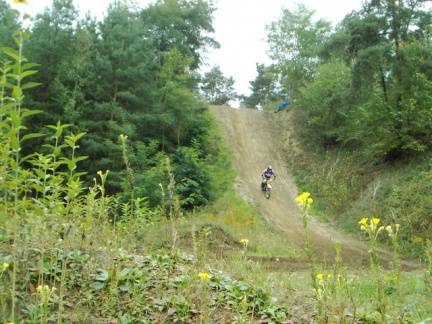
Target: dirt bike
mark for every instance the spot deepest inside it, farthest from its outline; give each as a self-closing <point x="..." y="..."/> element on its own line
<point x="267" y="187"/>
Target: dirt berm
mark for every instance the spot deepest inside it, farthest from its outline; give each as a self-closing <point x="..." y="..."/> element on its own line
<point x="261" y="138"/>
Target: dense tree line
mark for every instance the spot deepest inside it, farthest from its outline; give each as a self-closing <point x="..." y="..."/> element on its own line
<point x="365" y="83"/>
<point x="217" y="89"/>
<point x="379" y="64"/>
<point x="134" y="73"/>
<point x="264" y="89"/>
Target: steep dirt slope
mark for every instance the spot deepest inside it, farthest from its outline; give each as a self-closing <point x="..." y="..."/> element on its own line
<point x="262" y="138"/>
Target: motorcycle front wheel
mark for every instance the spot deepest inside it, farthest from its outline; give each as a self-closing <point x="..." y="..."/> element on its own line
<point x="267" y="193"/>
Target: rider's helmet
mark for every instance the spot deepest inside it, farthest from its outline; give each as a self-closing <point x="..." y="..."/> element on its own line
<point x="269" y="167"/>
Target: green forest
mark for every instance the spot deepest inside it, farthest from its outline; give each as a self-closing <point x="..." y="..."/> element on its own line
<point x="132" y="74"/>
<point x="115" y="181"/>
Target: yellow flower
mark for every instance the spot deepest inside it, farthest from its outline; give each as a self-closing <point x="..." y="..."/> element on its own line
<point x="389" y="229"/>
<point x="320" y="276"/>
<point x="363" y="228"/>
<point x="204" y="275"/>
<point x="5" y="265"/>
<point x="363" y="221"/>
<point x="302" y="197"/>
<point x="397" y="226"/>
<point x="244" y="241"/>
<point x="244" y="299"/>
<point x="375" y="221"/>
<point x="99" y="172"/>
<point x="310" y="201"/>
<point x="39" y="288"/>
<point x="20" y="1"/>
<point x="417" y="239"/>
<point x="390" y="279"/>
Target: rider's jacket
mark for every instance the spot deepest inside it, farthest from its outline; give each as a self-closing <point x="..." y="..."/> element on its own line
<point x="268" y="173"/>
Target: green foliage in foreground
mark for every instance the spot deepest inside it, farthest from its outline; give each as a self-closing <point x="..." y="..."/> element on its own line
<point x="65" y="249"/>
<point x="161" y="286"/>
<point x="70" y="253"/>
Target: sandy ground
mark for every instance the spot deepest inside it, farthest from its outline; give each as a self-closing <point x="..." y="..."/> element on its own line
<point x="262" y="138"/>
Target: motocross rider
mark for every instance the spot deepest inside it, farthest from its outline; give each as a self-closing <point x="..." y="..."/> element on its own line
<point x="266" y="174"/>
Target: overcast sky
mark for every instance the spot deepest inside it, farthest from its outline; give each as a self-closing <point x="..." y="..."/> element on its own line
<point x="239" y="28"/>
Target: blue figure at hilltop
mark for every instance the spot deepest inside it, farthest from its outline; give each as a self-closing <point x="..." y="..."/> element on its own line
<point x="283" y="106"/>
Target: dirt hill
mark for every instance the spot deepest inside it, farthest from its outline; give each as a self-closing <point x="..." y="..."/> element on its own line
<point x="261" y="138"/>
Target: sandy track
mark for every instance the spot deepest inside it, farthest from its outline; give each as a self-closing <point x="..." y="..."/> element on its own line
<point x="262" y="138"/>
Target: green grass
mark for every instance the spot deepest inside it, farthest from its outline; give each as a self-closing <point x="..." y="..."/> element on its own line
<point x="83" y="266"/>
